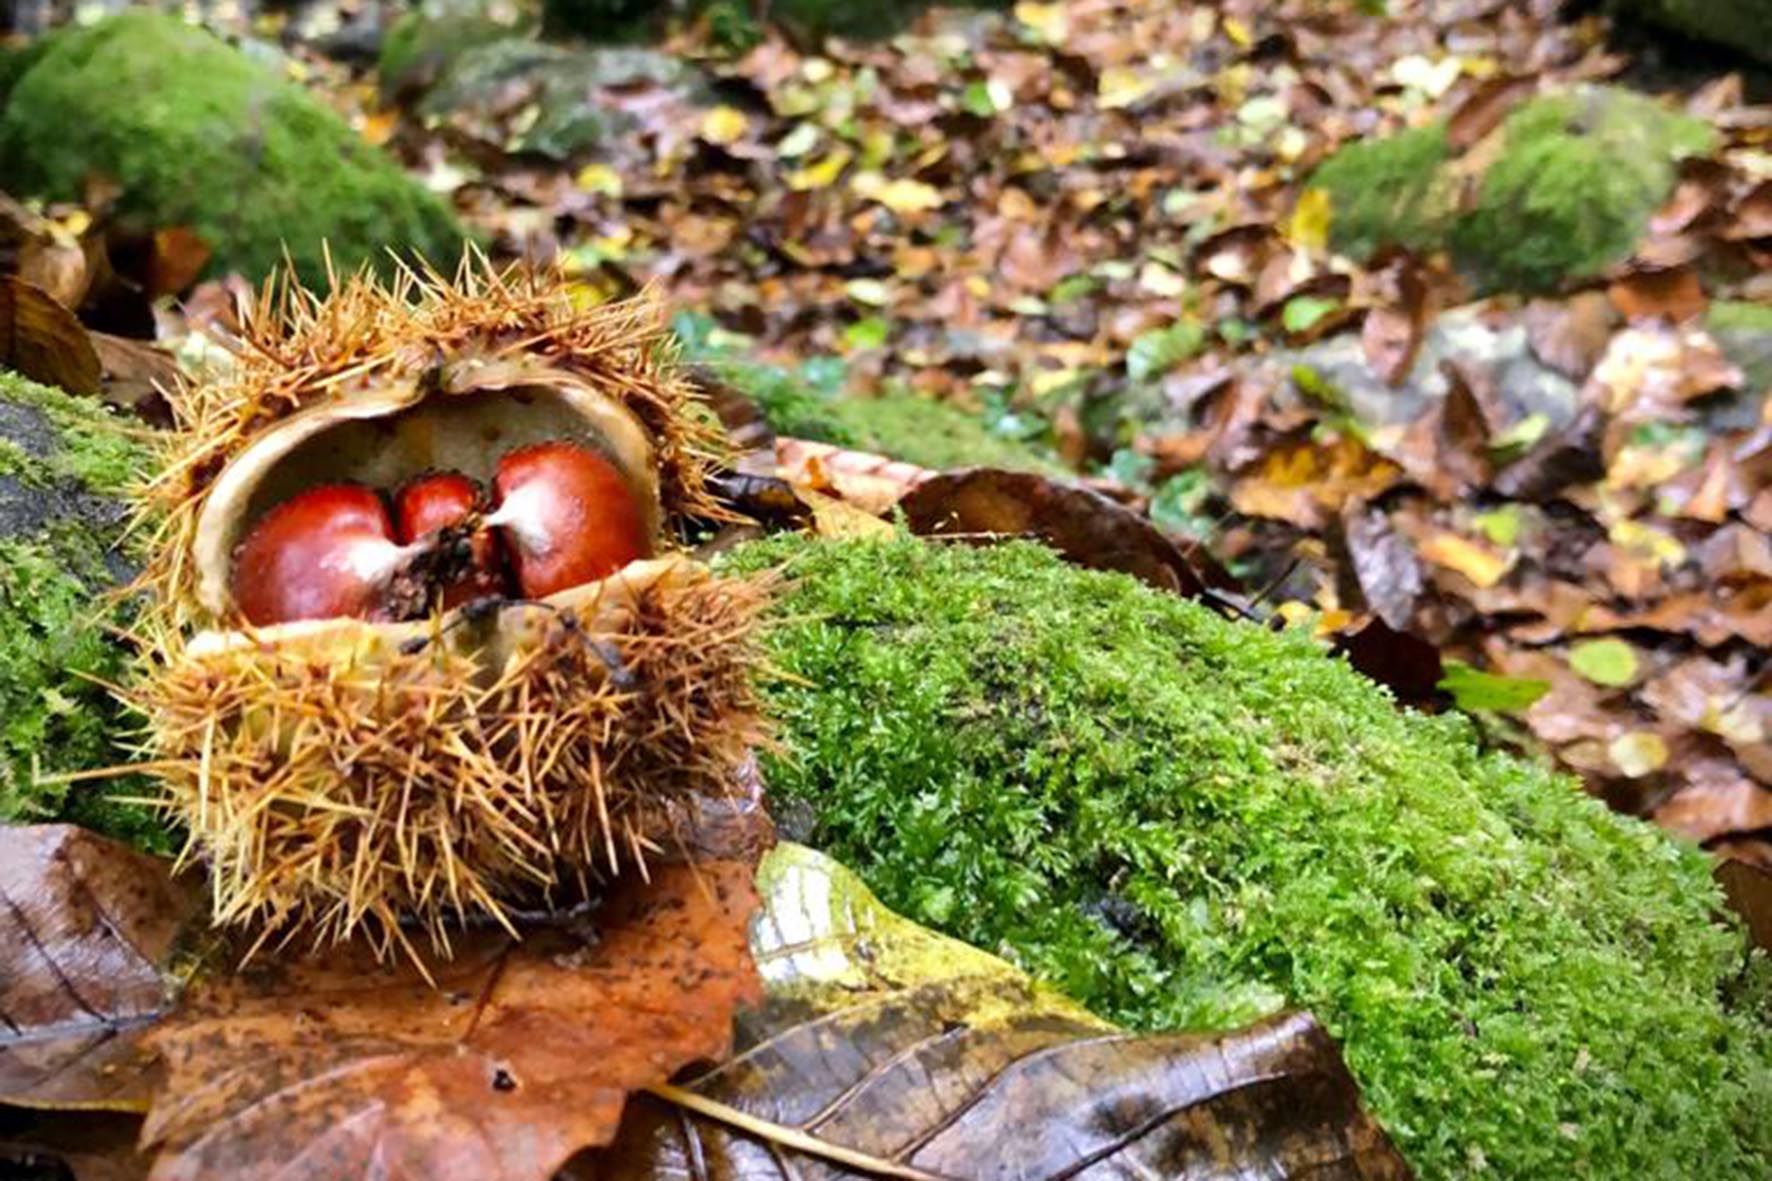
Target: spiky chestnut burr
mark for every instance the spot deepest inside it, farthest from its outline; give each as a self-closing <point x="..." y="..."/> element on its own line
<point x="567" y="515"/>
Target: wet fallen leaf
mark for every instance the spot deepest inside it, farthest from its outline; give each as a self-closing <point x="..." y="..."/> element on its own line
<point x="44" y="340"/>
<point x="924" y="1054"/>
<point x="987" y="504"/>
<point x="87" y="935"/>
<point x="1479" y="563"/>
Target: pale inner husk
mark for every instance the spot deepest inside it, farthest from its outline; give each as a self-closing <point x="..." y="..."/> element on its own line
<point x="383" y="437"/>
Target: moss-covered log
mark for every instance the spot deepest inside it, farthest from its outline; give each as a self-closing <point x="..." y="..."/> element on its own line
<point x="65" y="463"/>
<point x="1184" y="821"/>
<point x="1569" y="191"/>
<point x="197" y="134"/>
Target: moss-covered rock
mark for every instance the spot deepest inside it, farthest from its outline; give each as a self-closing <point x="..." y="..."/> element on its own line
<point x="558" y="94"/>
<point x="1573" y="180"/>
<point x="1744" y="332"/>
<point x="65" y="463"/>
<point x="1390" y="191"/>
<point x="425" y="41"/>
<point x="1742" y="25"/>
<point x="1184" y="821"/>
<point x="197" y="134"/>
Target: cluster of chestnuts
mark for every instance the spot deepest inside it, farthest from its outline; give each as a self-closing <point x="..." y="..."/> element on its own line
<point x="558" y="515"/>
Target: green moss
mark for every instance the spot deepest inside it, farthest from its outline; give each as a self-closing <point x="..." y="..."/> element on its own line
<point x="1573" y="189"/>
<point x="61" y="524"/>
<point x="930" y="434"/>
<point x="1183" y="821"/>
<point x="1744" y="331"/>
<point x="420" y="47"/>
<point x="1568" y="194"/>
<point x="197" y="134"/>
<point x="1388" y="191"/>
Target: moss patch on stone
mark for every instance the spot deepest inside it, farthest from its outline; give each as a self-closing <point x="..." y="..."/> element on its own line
<point x="1568" y="191"/>
<point x="1744" y="331"/>
<point x="1183" y="821"/>
<point x="197" y="134"/>
<point x="1389" y="191"/>
<point x="1577" y="179"/>
<point x="62" y="517"/>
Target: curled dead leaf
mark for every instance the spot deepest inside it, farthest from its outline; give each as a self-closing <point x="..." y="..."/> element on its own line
<point x="87" y="934"/>
<point x="883" y="1038"/>
<point x="1086" y="527"/>
<point x="44" y="340"/>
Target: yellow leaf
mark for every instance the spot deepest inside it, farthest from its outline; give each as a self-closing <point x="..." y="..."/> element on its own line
<point x="1238" y="32"/>
<point x="1482" y="565"/>
<point x="1647" y="543"/>
<point x="1048" y="21"/>
<point x="822" y="173"/>
<point x="839" y="519"/>
<point x="1638" y="753"/>
<point x="901" y="196"/>
<point x="1308" y="227"/>
<point x="1122" y="87"/>
<point x="600" y="179"/>
<point x="724" y="126"/>
<point x="1159" y="280"/>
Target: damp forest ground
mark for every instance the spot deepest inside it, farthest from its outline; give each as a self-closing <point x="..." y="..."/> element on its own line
<point x="1441" y="329"/>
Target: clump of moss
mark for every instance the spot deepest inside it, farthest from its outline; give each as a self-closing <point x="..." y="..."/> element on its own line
<point x="1744" y="331"/>
<point x="1184" y="821"/>
<point x="197" y="134"/>
<point x="1572" y="191"/>
<point x="1568" y="194"/>
<point x="67" y="465"/>
<point x="1389" y="191"/>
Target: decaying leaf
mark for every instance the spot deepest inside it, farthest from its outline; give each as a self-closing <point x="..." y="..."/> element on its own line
<point x="1085" y="526"/>
<point x="87" y="932"/>
<point x="882" y="1037"/>
<point x="521" y="1054"/>
<point x="44" y="340"/>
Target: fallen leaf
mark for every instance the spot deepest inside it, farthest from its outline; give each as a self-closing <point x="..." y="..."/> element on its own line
<point x="43" y="340"/>
<point x="923" y="1054"/>
<point x="1748" y="889"/>
<point x="1305" y="481"/>
<point x="1482" y="565"/>
<point x="1486" y="107"/>
<point x="520" y="1054"/>
<point x="1473" y="689"/>
<point x="872" y="483"/>
<point x="988" y="504"/>
<point x="179" y="257"/>
<point x="87" y="933"/>
<point x="1674" y="294"/>
<point x="1406" y="664"/>
<point x="1612" y="663"/>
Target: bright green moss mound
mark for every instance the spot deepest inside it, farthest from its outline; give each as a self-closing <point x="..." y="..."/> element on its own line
<point x="196" y="134"/>
<point x="1183" y="821"/>
<point x="1578" y="177"/>
<point x="1568" y="194"/>
<point x="64" y="465"/>
<point x="1388" y="191"/>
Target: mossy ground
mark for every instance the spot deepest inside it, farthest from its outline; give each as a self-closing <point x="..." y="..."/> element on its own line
<point x="61" y="526"/>
<point x="196" y="134"/>
<point x="1568" y="194"/>
<point x="1183" y="821"/>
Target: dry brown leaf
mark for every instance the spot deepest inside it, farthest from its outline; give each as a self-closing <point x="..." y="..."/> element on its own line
<point x="44" y="340"/>
<point x="1675" y="294"/>
<point x="872" y="483"/>
<point x="87" y="931"/>
<point x="1086" y="527"/>
<point x="1748" y="889"/>
<point x="521" y="1055"/>
<point x="1306" y="482"/>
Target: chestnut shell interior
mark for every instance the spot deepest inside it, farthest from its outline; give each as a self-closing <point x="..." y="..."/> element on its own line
<point x="383" y="438"/>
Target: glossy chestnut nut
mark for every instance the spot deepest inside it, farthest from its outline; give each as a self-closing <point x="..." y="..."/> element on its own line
<point x="324" y="553"/>
<point x="431" y="504"/>
<point x="567" y="516"/>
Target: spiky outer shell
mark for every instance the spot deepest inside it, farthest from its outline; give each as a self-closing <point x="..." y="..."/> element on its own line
<point x="344" y="777"/>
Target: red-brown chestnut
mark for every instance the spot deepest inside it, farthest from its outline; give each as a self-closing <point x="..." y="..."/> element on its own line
<point x="443" y="500"/>
<point x="567" y="517"/>
<point x="327" y="552"/>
